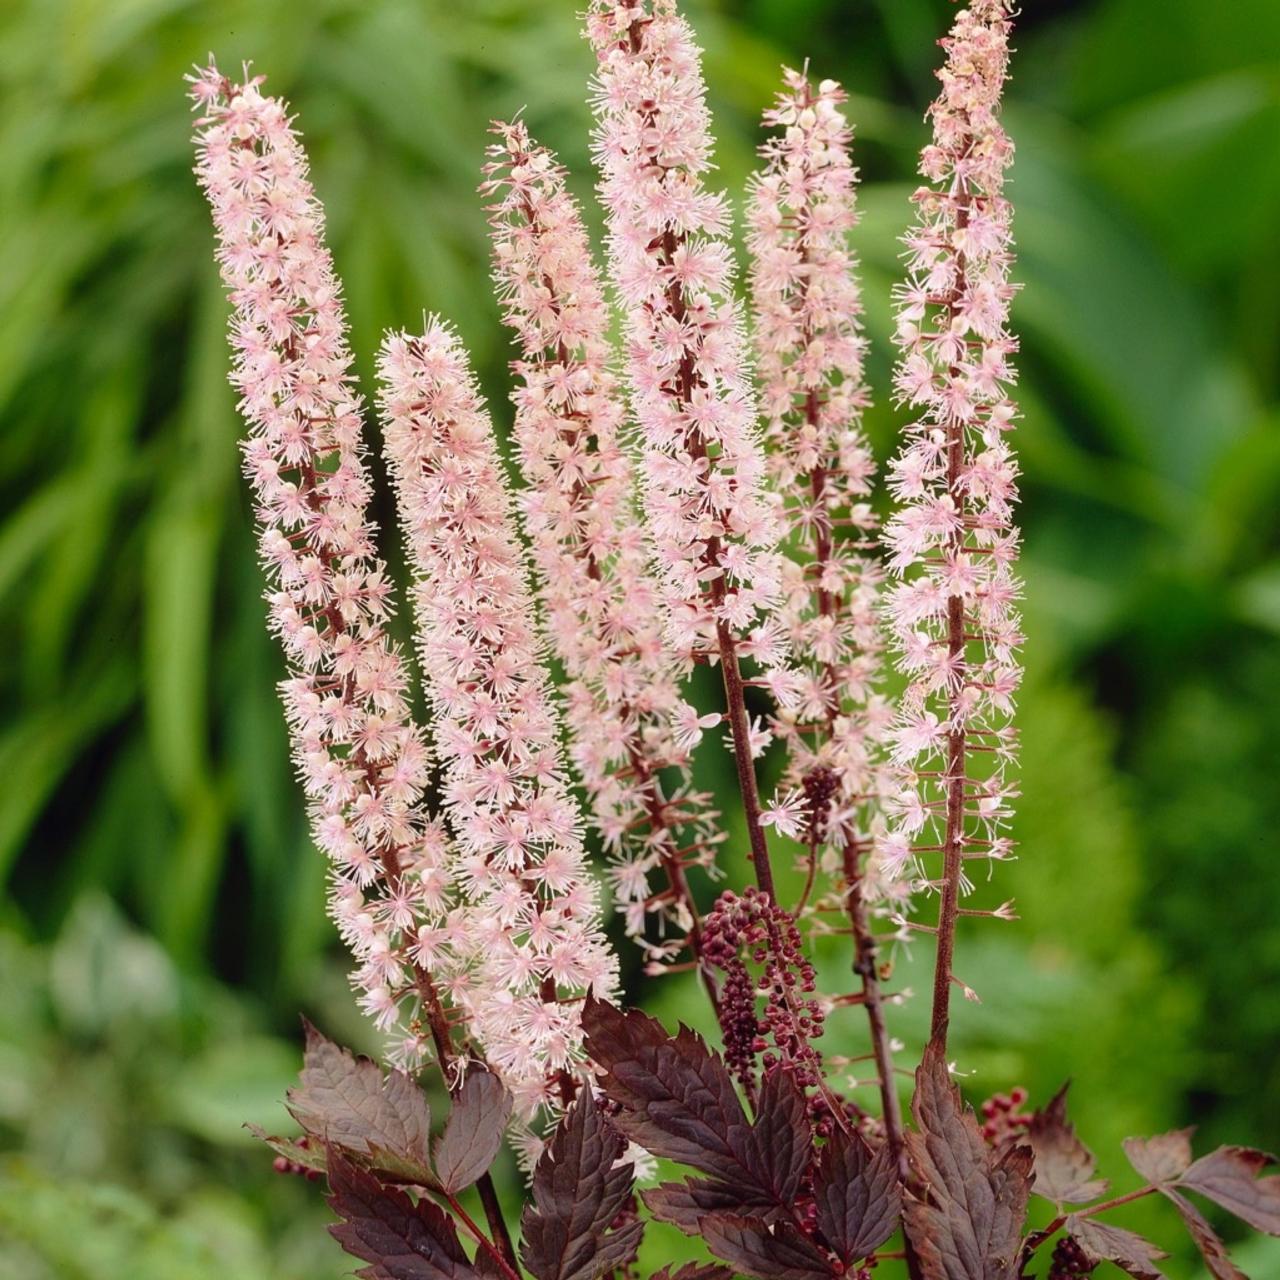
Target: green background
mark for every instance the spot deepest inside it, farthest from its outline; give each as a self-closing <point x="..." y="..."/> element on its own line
<point x="161" y="911"/>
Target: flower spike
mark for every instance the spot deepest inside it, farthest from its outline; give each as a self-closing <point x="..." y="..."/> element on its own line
<point x="952" y="539"/>
<point x="588" y="550"/>
<point x="362" y="759"/>
<point x="530" y="942"/>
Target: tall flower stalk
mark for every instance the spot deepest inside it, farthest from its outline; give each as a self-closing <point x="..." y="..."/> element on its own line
<point x="712" y="524"/>
<point x="952" y="540"/>
<point x="529" y="944"/>
<point x="600" y="602"/>
<point x="806" y="308"/>
<point x="362" y="759"/>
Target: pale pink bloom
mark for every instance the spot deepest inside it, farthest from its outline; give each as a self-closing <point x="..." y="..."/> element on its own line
<point x="806" y="309"/>
<point x="786" y="814"/>
<point x="600" y="604"/>
<point x="521" y="866"/>
<point x="688" y="726"/>
<point x="360" y="756"/>
<point x="952" y="541"/>
<point x="712" y="523"/>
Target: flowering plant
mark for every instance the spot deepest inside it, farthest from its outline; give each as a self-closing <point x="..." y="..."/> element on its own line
<point x="700" y="498"/>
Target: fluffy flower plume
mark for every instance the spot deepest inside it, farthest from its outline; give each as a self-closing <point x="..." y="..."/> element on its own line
<point x="712" y="526"/>
<point x="806" y="308"/>
<point x="952" y="539"/>
<point x="588" y="549"/>
<point x="529" y="941"/>
<point x="360" y="756"/>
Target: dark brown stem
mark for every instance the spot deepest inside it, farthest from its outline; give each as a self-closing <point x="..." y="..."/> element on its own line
<point x="506" y="1265"/>
<point x="865" y="965"/>
<point x="740" y="729"/>
<point x="442" y="1037"/>
<point x="953" y="841"/>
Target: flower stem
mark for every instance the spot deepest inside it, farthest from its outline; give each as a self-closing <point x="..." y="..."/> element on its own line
<point x="502" y="1247"/>
<point x="739" y="728"/>
<point x="865" y="962"/>
<point x="953" y="841"/>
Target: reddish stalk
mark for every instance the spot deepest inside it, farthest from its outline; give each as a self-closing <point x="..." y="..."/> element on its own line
<point x="953" y="841"/>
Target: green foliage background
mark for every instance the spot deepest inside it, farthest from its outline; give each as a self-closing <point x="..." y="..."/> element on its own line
<point x="161" y="916"/>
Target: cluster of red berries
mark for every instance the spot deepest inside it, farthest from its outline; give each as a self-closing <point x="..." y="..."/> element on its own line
<point x="1070" y="1262"/>
<point x="754" y="928"/>
<point x="1003" y="1117"/>
<point x="282" y="1164"/>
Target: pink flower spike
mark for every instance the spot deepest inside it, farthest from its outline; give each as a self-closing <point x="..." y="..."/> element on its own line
<point x="713" y="525"/>
<point x="361" y="758"/>
<point x="952" y="538"/>
<point x="600" y="602"/>
<point x="532" y="912"/>
<point x="806" y="309"/>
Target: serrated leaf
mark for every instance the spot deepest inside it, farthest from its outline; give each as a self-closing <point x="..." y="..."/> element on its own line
<point x="1161" y="1159"/>
<point x="347" y="1102"/>
<point x="694" y="1271"/>
<point x="777" y="1252"/>
<point x="858" y="1196"/>
<point x="1229" y="1177"/>
<point x="677" y="1099"/>
<point x="685" y="1204"/>
<point x="473" y="1133"/>
<point x="1128" y="1250"/>
<point x="782" y="1134"/>
<point x="578" y="1191"/>
<point x="487" y="1267"/>
<point x="968" y="1224"/>
<point x="1206" y="1240"/>
<point x="382" y="1226"/>
<point x="1063" y="1164"/>
<point x="312" y="1158"/>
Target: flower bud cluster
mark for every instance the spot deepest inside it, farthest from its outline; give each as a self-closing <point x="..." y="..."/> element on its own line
<point x="771" y="1015"/>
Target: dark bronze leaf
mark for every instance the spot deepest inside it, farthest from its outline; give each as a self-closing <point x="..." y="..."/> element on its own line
<point x="1206" y="1239"/>
<point x="1229" y="1177"/>
<point x="677" y="1099"/>
<point x="1063" y="1164"/>
<point x="381" y="1225"/>
<point x="755" y="1248"/>
<point x="1163" y="1158"/>
<point x="578" y="1191"/>
<point x="685" y="1204"/>
<point x="783" y="1136"/>
<point x="473" y="1133"/>
<point x="858" y="1196"/>
<point x="347" y="1102"/>
<point x="1128" y="1250"/>
<point x="968" y="1223"/>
